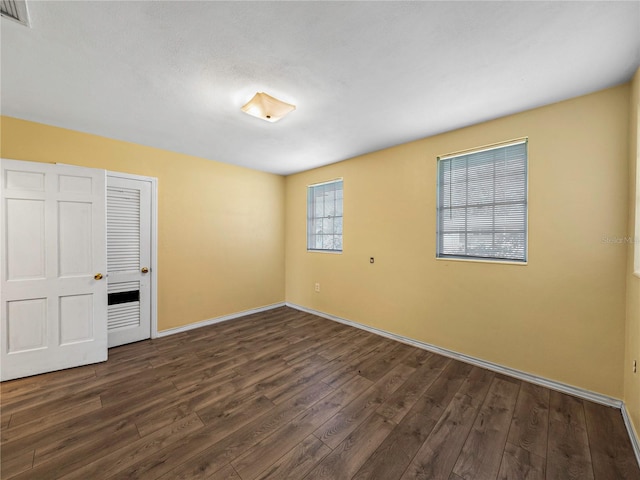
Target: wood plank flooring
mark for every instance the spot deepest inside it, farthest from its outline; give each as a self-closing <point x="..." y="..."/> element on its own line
<point x="288" y="395"/>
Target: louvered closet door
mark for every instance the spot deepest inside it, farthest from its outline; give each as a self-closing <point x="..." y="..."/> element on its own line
<point x="128" y="260"/>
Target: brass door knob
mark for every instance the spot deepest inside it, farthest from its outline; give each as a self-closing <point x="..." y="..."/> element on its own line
<point x="144" y="270"/>
<point x="98" y="276"/>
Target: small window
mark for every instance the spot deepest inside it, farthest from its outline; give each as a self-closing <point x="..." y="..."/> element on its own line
<point x="482" y="204"/>
<point x="324" y="216"/>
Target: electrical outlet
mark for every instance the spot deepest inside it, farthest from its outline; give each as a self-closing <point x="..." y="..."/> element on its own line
<point x="317" y="288"/>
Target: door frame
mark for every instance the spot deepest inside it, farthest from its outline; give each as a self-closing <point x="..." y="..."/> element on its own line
<point x="154" y="242"/>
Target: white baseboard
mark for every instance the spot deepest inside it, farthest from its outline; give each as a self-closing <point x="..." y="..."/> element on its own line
<point x="211" y="321"/>
<point x="512" y="372"/>
<point x="633" y="435"/>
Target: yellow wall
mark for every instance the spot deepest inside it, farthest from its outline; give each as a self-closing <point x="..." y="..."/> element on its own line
<point x="631" y="380"/>
<point x="223" y="231"/>
<point x="562" y="316"/>
<point x="220" y="227"/>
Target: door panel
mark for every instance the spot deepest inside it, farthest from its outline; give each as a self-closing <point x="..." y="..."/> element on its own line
<point x="22" y="180"/>
<point x="128" y="253"/>
<point x="27" y="324"/>
<point x="25" y="219"/>
<point x="76" y="318"/>
<point x="74" y="238"/>
<point x="53" y="242"/>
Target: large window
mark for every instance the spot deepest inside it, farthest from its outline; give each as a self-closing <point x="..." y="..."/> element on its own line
<point x="324" y="216"/>
<point x="482" y="204"/>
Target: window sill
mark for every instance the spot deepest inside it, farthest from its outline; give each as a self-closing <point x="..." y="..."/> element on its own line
<point x="477" y="260"/>
<point x="331" y="252"/>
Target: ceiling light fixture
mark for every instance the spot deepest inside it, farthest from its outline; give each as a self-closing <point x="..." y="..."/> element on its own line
<point x="267" y="107"/>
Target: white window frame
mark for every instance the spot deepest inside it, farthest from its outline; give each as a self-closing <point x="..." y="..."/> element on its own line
<point x="311" y="218"/>
<point x="473" y="258"/>
<point x="636" y="238"/>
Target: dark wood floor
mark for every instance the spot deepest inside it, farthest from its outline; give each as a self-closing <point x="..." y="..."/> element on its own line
<point x="284" y="394"/>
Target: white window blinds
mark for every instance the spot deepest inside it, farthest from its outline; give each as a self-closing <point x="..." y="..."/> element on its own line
<point x="324" y="216"/>
<point x="482" y="204"/>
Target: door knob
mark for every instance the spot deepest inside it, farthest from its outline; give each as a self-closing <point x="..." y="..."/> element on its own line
<point x="144" y="270"/>
<point x="98" y="276"/>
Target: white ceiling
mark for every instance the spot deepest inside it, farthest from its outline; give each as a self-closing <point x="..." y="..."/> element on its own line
<point x="364" y="75"/>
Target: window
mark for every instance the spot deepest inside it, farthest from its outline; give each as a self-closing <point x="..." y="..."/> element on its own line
<point x="324" y="216"/>
<point x="482" y="204"/>
<point x="636" y="238"/>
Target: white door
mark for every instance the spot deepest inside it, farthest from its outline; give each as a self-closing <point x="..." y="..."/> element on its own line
<point x="54" y="295"/>
<point x="128" y="259"/>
